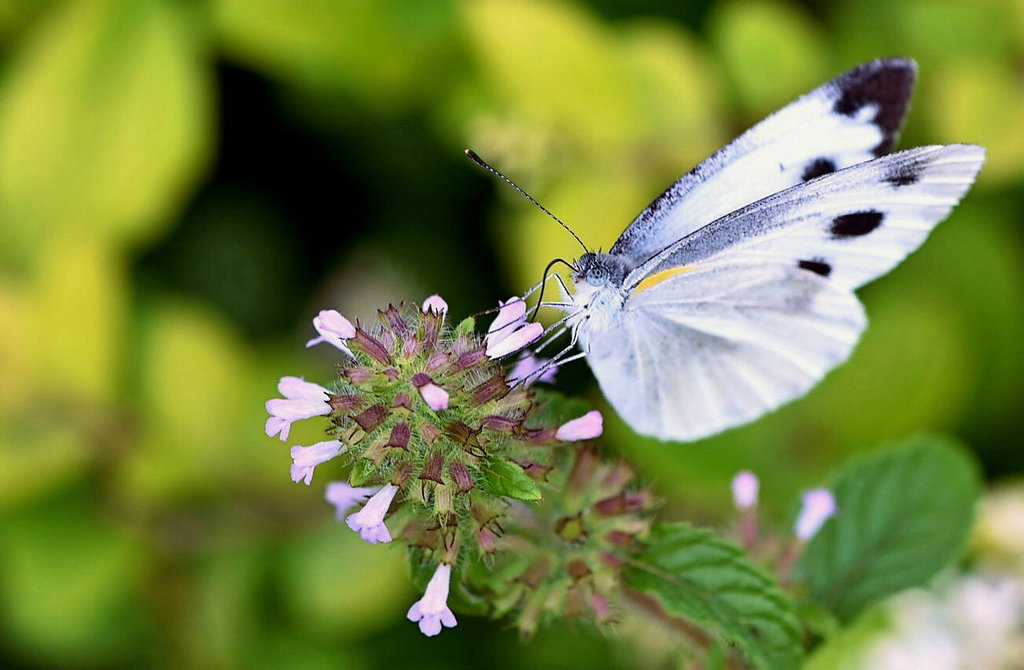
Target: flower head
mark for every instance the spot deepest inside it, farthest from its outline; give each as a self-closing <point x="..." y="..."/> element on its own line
<point x="307" y="458"/>
<point x="744" y="489"/>
<point x="369" y="521"/>
<point x="334" y="329"/>
<point x="345" y="497"/>
<point x="509" y="332"/>
<point x="302" y="400"/>
<point x="432" y="609"/>
<point x="818" y="506"/>
<point x="586" y="427"/>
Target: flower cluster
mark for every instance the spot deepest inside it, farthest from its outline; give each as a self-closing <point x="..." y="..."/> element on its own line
<point x="438" y="442"/>
<point x="562" y="557"/>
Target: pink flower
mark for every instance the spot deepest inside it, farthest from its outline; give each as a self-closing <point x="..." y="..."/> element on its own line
<point x="744" y="489"/>
<point x="307" y="458"/>
<point x="528" y="364"/>
<point x="818" y="506"/>
<point x="509" y="331"/>
<point x="511" y="314"/>
<point x="435" y="396"/>
<point x="432" y="609"/>
<point x="587" y="427"/>
<point x="369" y="521"/>
<point x="435" y="304"/>
<point x="345" y="497"/>
<point x="302" y="400"/>
<point x="334" y="329"/>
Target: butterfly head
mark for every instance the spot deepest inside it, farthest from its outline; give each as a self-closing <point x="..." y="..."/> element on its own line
<point x="599" y="270"/>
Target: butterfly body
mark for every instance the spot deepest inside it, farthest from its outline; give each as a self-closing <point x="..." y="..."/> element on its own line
<point x="732" y="292"/>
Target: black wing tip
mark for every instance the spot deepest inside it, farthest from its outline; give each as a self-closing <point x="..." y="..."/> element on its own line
<point x="884" y="82"/>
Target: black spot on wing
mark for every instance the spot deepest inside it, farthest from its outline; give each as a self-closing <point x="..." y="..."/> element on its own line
<point x="856" y="224"/>
<point x="818" y="167"/>
<point x="817" y="266"/>
<point x="886" y="84"/>
<point x="903" y="174"/>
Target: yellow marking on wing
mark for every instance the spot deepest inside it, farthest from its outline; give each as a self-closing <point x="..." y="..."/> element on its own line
<point x="659" y="277"/>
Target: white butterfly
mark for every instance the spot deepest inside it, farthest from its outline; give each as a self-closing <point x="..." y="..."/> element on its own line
<point x="732" y="292"/>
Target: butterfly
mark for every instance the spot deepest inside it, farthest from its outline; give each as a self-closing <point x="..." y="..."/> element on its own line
<point x="733" y="292"/>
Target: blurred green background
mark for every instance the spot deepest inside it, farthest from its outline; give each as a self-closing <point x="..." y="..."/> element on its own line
<point x="183" y="184"/>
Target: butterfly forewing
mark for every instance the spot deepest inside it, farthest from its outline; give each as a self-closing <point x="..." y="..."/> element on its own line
<point x="850" y="226"/>
<point x="851" y="119"/>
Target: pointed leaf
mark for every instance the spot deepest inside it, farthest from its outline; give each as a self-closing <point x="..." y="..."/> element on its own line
<point x="696" y="575"/>
<point x="904" y="514"/>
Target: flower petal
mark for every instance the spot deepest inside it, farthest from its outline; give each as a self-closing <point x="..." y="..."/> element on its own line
<point x="515" y="341"/>
<point x="435" y="396"/>
<point x="586" y="427"/>
<point x="744" y="489"/>
<point x="435" y="304"/>
<point x="819" y="505"/>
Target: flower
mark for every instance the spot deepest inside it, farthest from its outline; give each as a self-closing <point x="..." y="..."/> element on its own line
<point x="528" y="364"/>
<point x="432" y="609"/>
<point x="744" y="489"/>
<point x="369" y="521"/>
<point x="435" y="396"/>
<point x="307" y="458"/>
<point x="302" y="400"/>
<point x="818" y="506"/>
<point x="344" y="497"/>
<point x="586" y="427"/>
<point x="435" y="304"/>
<point x="334" y="329"/>
<point x="509" y="331"/>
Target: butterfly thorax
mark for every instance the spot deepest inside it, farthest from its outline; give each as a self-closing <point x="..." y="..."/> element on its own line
<point x="599" y="297"/>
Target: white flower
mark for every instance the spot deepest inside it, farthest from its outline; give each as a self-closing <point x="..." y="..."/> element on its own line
<point x="345" y="497"/>
<point x="334" y="329"/>
<point x="818" y="506"/>
<point x="435" y="304"/>
<point x="307" y="458"/>
<point x="744" y="489"/>
<point x="509" y="331"/>
<point x="586" y="427"/>
<point x="435" y="396"/>
<point x="369" y="521"/>
<point x="528" y="365"/>
<point x="302" y="400"/>
<point x="432" y="609"/>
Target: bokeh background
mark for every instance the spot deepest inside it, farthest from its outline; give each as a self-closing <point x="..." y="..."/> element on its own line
<point x="183" y="184"/>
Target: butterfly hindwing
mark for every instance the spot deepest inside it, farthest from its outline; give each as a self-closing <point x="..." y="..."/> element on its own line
<point x="850" y="226"/>
<point x="720" y="345"/>
<point x="851" y="119"/>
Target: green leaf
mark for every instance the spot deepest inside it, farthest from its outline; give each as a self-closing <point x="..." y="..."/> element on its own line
<point x="505" y="478"/>
<point x="904" y="514"/>
<point x="696" y="575"/>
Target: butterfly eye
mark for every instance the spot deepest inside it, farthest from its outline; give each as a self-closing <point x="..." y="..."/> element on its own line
<point x="597" y="275"/>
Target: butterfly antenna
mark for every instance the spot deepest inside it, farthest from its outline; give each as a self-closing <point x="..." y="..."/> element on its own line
<point x="480" y="161"/>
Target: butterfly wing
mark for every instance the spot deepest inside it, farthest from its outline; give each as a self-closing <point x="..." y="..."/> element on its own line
<point x="753" y="309"/>
<point x="850" y="226"/>
<point x="720" y="345"/>
<point x="851" y="119"/>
